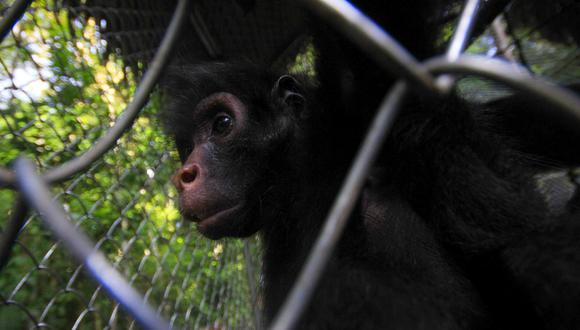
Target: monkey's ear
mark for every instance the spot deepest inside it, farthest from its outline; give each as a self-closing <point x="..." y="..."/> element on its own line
<point x="289" y="92"/>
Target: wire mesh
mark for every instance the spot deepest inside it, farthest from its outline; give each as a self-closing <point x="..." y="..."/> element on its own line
<point x="67" y="71"/>
<point x="62" y="85"/>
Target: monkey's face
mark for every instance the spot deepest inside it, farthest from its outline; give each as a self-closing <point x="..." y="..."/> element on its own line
<point x="233" y="160"/>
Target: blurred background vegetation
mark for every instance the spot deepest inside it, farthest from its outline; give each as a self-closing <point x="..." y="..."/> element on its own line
<point x="60" y="90"/>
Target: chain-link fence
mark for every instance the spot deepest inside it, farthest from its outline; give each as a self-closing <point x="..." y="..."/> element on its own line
<point x="77" y="100"/>
<point x="64" y="81"/>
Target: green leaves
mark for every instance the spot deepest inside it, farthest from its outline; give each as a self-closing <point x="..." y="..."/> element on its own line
<point x="59" y="93"/>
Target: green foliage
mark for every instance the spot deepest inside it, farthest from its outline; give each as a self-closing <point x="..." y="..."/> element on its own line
<point x="59" y="92"/>
<point x="304" y="61"/>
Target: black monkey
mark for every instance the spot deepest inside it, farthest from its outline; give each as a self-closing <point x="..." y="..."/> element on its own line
<point x="449" y="233"/>
<point x="260" y="154"/>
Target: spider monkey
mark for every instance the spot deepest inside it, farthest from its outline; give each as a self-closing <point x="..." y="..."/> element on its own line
<point x="449" y="232"/>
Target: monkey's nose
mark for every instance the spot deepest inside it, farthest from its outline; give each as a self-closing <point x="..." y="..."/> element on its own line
<point x="185" y="176"/>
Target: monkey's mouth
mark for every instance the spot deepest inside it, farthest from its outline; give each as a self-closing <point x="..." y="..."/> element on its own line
<point x="202" y="217"/>
<point x="218" y="220"/>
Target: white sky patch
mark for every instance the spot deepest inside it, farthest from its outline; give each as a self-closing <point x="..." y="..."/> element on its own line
<point x="28" y="80"/>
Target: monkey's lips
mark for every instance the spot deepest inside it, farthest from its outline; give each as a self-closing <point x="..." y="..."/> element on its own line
<point x="215" y="223"/>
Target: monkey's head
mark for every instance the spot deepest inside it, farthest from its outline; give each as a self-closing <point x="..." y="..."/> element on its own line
<point x="237" y="129"/>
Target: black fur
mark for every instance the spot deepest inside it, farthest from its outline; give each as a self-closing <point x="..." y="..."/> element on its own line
<point x="390" y="268"/>
<point x="449" y="233"/>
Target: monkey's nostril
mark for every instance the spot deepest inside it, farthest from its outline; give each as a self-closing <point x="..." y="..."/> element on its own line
<point x="188" y="174"/>
<point x="187" y="177"/>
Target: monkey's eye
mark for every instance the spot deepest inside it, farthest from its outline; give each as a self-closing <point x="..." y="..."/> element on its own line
<point x="222" y="125"/>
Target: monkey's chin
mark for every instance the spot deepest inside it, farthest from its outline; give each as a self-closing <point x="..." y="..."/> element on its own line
<point x="228" y="222"/>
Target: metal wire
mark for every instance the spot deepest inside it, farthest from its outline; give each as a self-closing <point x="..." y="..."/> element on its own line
<point x="253" y="290"/>
<point x="10" y="234"/>
<point x="356" y="25"/>
<point x="37" y="195"/>
<point x="555" y="98"/>
<point x="12" y="16"/>
<point x="337" y="219"/>
<point x="142" y="94"/>
<point x="109" y="278"/>
<point x="361" y="30"/>
<point x="374" y="40"/>
<point x="463" y="31"/>
<point x="459" y="40"/>
<point x="126" y="119"/>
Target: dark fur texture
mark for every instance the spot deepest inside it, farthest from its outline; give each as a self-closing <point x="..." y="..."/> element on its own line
<point x="449" y="233"/>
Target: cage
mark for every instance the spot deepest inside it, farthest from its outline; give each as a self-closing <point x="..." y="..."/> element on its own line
<point x="78" y="100"/>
